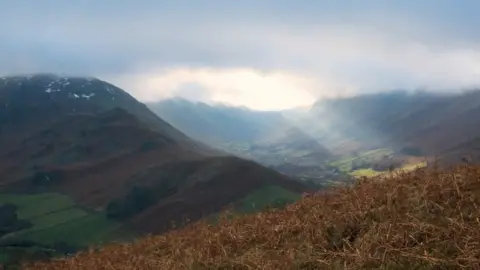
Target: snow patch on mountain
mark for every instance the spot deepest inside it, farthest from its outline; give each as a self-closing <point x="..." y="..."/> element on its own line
<point x="110" y="90"/>
<point x="87" y="97"/>
<point x="84" y="96"/>
<point x="50" y="90"/>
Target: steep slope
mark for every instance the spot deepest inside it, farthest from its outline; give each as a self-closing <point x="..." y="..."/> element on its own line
<point x="204" y="187"/>
<point x="52" y="120"/>
<point x="123" y="167"/>
<point x="266" y="137"/>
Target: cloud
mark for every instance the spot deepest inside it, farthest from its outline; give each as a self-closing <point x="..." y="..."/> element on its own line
<point x="262" y="54"/>
<point x="236" y="86"/>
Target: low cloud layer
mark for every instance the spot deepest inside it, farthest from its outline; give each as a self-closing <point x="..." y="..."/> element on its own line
<point x="262" y="54"/>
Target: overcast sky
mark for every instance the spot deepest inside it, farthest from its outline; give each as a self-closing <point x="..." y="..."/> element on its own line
<point x="264" y="54"/>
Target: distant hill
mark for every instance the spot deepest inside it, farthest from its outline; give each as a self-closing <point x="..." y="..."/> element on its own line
<point x="426" y="123"/>
<point x="81" y="159"/>
<point x="266" y="137"/>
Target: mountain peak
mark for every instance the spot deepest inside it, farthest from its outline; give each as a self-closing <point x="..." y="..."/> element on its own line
<point x="53" y="86"/>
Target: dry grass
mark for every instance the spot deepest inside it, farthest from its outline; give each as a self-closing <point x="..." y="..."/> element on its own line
<point x="418" y="220"/>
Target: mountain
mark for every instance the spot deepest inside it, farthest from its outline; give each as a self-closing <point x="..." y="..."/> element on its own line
<point x="428" y="124"/>
<point x="266" y="137"/>
<point x="81" y="162"/>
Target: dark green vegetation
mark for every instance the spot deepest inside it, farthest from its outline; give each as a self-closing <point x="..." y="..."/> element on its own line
<point x="50" y="224"/>
<point x="9" y="221"/>
<point x="134" y="202"/>
<point x="266" y="197"/>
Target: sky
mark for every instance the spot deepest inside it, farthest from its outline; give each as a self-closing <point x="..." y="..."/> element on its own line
<point x="263" y="54"/>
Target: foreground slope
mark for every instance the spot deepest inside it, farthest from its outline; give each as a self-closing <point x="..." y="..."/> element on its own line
<point x="421" y="220"/>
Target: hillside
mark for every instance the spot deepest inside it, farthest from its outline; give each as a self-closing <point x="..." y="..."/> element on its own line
<point x="427" y="219"/>
<point x="266" y="137"/>
<point x="428" y="124"/>
<point x="26" y="98"/>
<point x="82" y="162"/>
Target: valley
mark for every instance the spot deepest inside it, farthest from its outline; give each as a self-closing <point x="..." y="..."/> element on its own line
<point x="88" y="165"/>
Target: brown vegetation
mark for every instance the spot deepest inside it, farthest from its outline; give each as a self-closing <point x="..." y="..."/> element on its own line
<point x="427" y="219"/>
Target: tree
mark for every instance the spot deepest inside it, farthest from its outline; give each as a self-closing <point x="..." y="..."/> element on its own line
<point x="136" y="200"/>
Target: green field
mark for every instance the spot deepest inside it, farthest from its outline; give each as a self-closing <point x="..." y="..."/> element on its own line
<point x="411" y="167"/>
<point x="345" y="164"/>
<point x="56" y="218"/>
<point x="31" y="206"/>
<point x="365" y="172"/>
<point x="371" y="172"/>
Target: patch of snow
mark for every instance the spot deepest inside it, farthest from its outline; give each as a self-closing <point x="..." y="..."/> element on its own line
<point x="74" y="95"/>
<point x="87" y="97"/>
<point x="50" y="90"/>
<point x="110" y="90"/>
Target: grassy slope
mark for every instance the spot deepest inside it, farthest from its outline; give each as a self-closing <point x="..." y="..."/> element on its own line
<point x="418" y="220"/>
<point x="259" y="200"/>
<point x="265" y="197"/>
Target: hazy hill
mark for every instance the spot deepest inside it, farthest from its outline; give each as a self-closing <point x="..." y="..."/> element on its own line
<point x="81" y="162"/>
<point x="266" y="137"/>
<point x="431" y="124"/>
